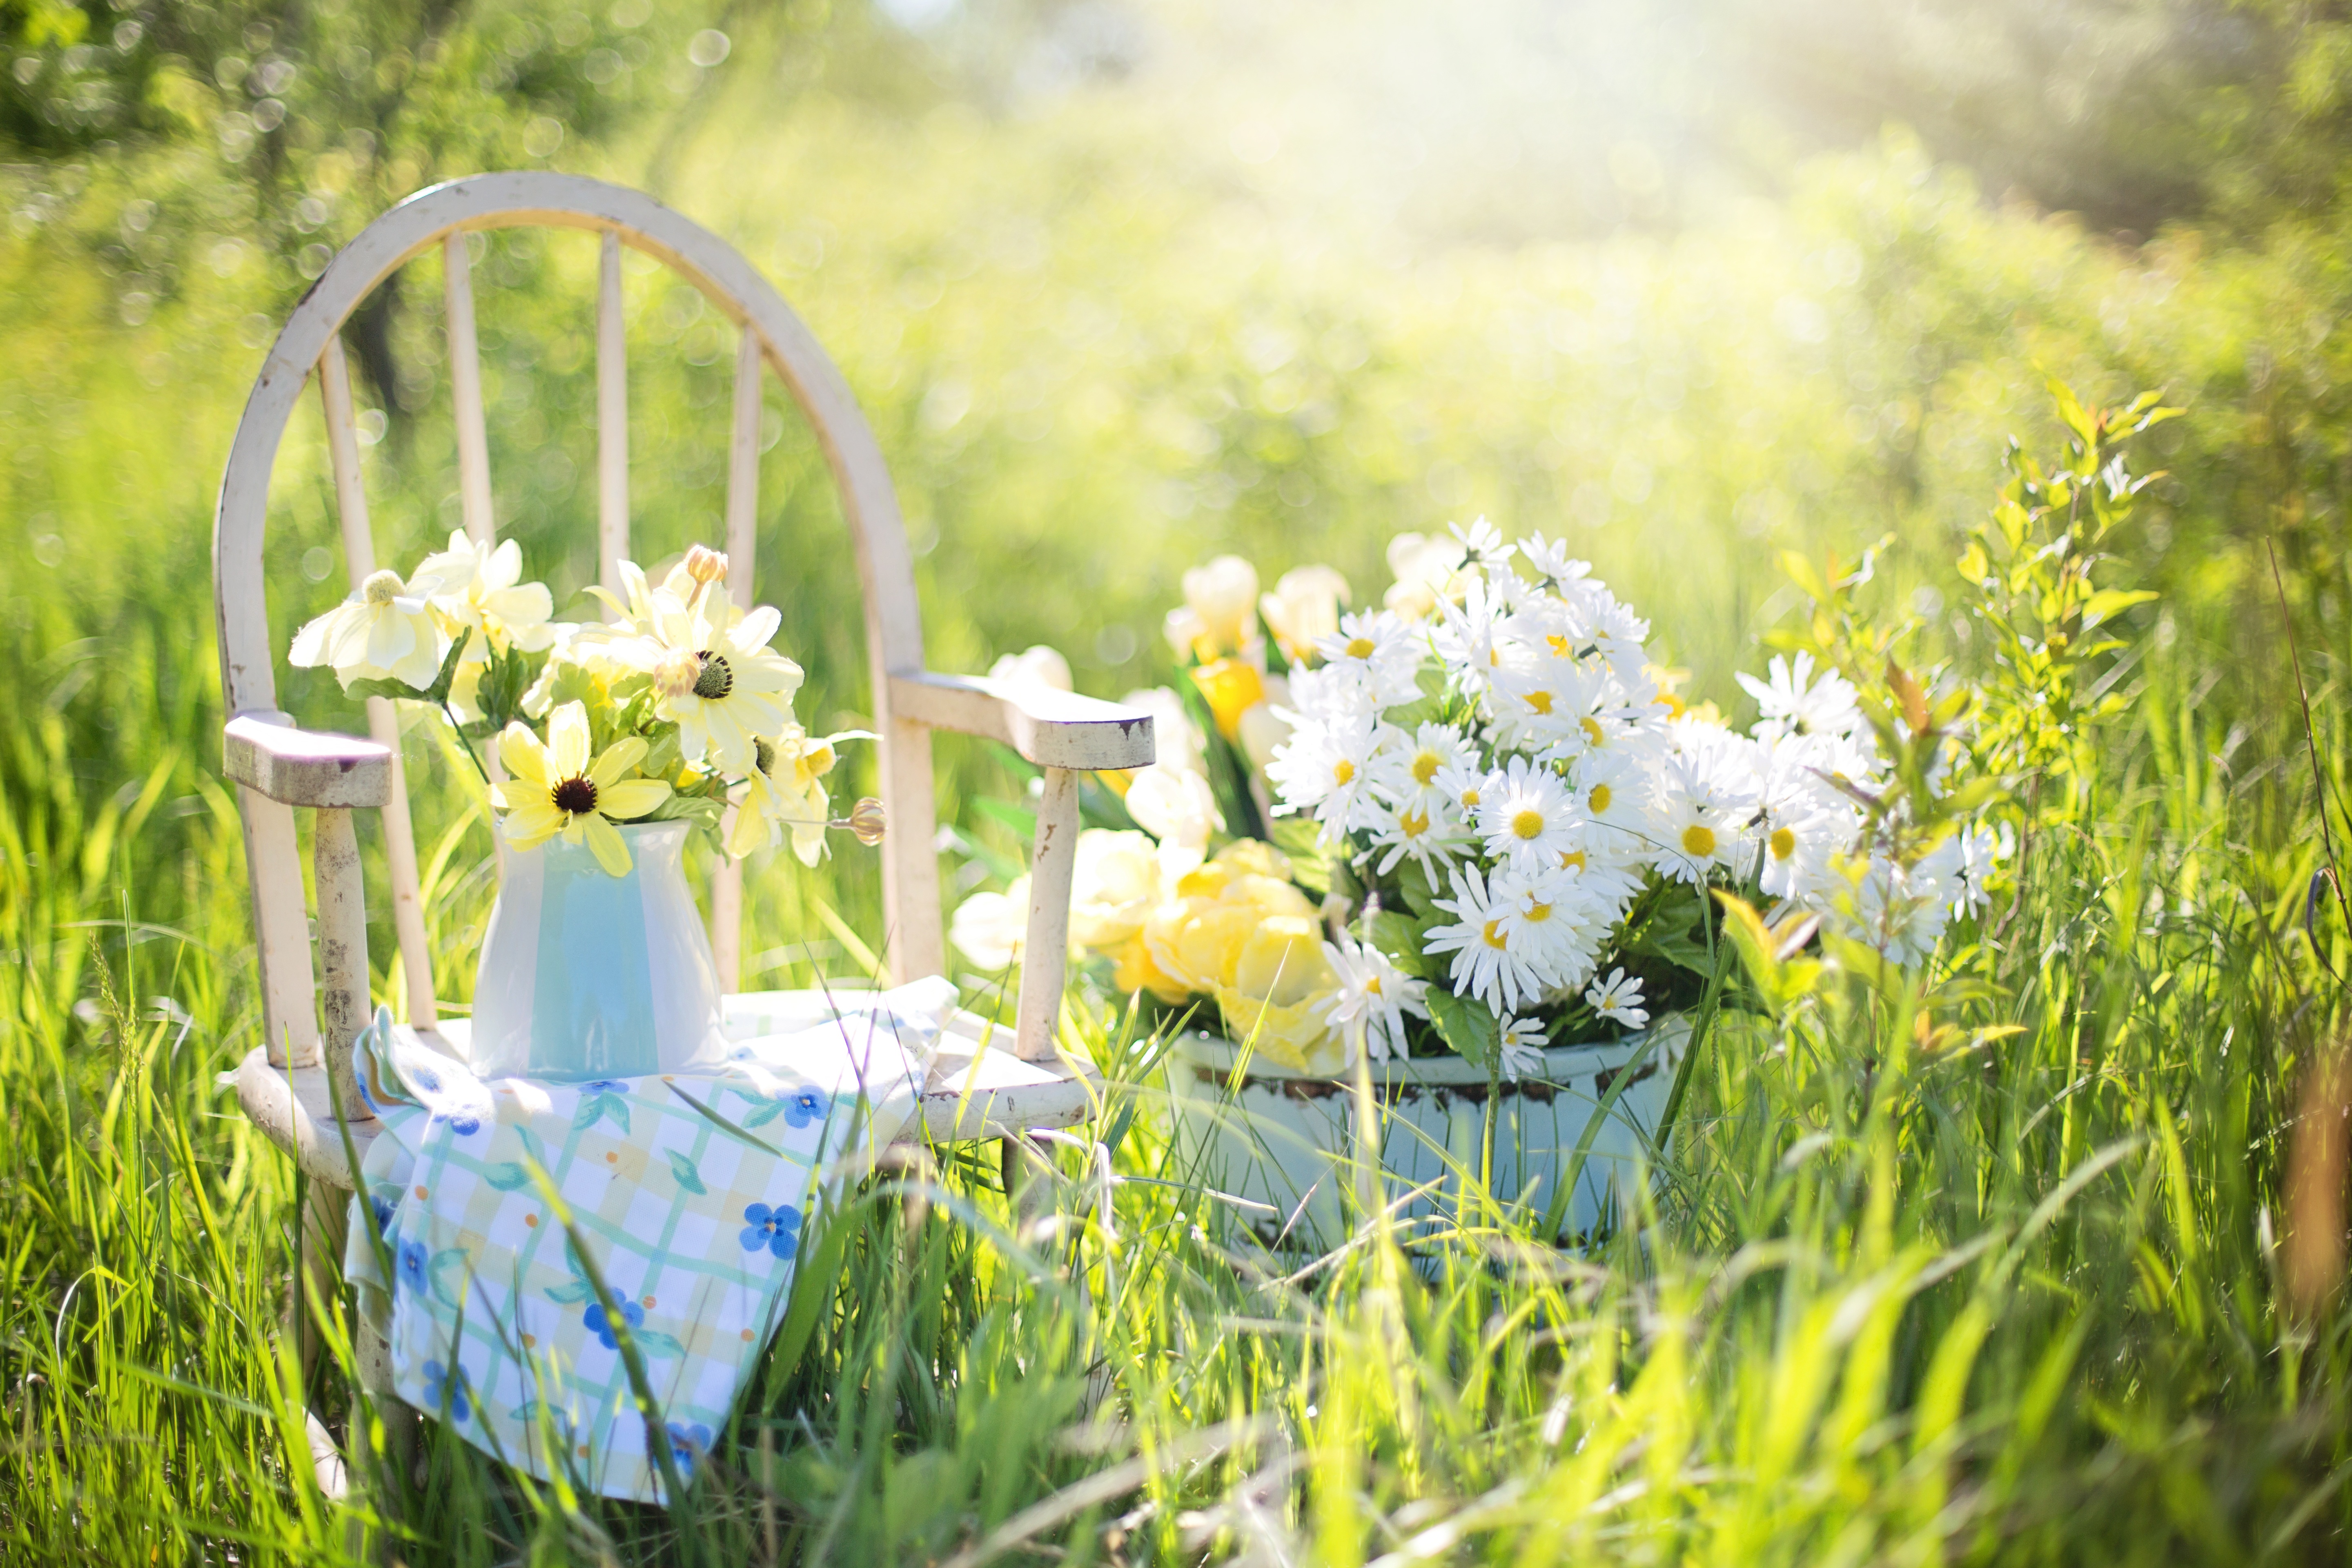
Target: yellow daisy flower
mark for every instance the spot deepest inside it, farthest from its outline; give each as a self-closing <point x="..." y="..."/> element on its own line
<point x="556" y="788"/>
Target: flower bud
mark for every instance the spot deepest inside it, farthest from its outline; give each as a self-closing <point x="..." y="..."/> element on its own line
<point x="866" y="821"/>
<point x="1224" y="595"/>
<point x="675" y="673"/>
<point x="704" y="565"/>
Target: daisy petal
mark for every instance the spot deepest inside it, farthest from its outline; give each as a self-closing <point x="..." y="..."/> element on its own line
<point x="618" y="759"/>
<point x="525" y="758"/>
<point x="756" y="628"/>
<point x="533" y="824"/>
<point x="630" y="799"/>
<point x="606" y="844"/>
<point x="567" y="741"/>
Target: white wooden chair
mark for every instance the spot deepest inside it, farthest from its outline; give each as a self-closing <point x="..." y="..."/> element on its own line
<point x="297" y="1086"/>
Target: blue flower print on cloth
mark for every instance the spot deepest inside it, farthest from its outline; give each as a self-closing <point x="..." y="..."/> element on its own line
<point x="412" y="1262"/>
<point x="688" y="1443"/>
<point x="776" y="1230"/>
<point x="595" y="1320"/>
<point x="689" y="1194"/>
<point x="439" y="1385"/>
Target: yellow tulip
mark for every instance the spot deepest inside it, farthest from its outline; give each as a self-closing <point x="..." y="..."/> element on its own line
<point x="1282" y="961"/>
<point x="1134" y="971"/>
<point x="1233" y="687"/>
<point x="1293" y="1035"/>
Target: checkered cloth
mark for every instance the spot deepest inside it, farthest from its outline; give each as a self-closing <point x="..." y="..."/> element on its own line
<point x="691" y="1192"/>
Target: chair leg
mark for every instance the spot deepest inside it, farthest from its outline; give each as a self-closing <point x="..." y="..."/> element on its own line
<point x="325" y="1220"/>
<point x="383" y="1470"/>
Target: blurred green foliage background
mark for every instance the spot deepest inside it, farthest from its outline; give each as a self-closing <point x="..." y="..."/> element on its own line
<point x="1124" y="285"/>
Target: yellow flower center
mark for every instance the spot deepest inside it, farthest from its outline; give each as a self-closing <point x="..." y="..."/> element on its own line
<point x="1698" y="840"/>
<point x="1559" y="644"/>
<point x="1572" y="860"/>
<point x="382" y="587"/>
<point x="1600" y="798"/>
<point x="1784" y="843"/>
<point x="1529" y="824"/>
<point x="1470" y="797"/>
<point x="1493" y="934"/>
<point x="1372" y="986"/>
<point x="1424" y="767"/>
<point x="1539" y="912"/>
<point x="1360" y="648"/>
<point x="1415" y="823"/>
<point x="1344" y="772"/>
<point x="1539" y="701"/>
<point x="1593" y="729"/>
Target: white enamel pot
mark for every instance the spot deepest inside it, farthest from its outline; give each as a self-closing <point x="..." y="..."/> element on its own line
<point x="1284" y="1141"/>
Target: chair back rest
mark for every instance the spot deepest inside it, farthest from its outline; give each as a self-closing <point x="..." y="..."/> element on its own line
<point x="770" y="336"/>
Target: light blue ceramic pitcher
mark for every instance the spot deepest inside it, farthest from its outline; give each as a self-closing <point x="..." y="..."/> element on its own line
<point x="585" y="974"/>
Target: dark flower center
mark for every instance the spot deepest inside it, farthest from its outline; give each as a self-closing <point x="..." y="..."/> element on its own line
<point x="763" y="755"/>
<point x="715" y="679"/>
<point x="577" y="796"/>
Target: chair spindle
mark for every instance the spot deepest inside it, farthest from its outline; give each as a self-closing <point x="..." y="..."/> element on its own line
<point x="742" y="519"/>
<point x="384" y="720"/>
<point x="465" y="390"/>
<point x="612" y="421"/>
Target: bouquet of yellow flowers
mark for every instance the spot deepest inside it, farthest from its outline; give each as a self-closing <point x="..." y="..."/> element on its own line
<point x="676" y="707"/>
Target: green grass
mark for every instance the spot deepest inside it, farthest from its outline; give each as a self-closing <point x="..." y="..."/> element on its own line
<point x="2006" y="1300"/>
<point x="2014" y="1293"/>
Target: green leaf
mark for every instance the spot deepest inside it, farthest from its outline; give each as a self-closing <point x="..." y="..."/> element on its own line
<point x="1276" y="661"/>
<point x="570" y="1295"/>
<point x="1296" y="838"/>
<point x="1099" y="806"/>
<point x="703" y="811"/>
<point x="1666" y="933"/>
<point x="1229" y="770"/>
<point x="2110" y="601"/>
<point x="1019" y="818"/>
<point x="1798" y="569"/>
<point x="1473" y="1032"/>
<point x="1421" y="710"/>
<point x="507" y="1176"/>
<point x="1413" y="883"/>
<point x="499" y="692"/>
<point x="1400" y="936"/>
<point x="399" y="690"/>
<point x="688" y="1175"/>
<point x="2071" y="411"/>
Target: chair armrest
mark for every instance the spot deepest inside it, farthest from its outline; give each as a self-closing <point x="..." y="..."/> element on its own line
<point x="1052" y="729"/>
<point x="265" y="753"/>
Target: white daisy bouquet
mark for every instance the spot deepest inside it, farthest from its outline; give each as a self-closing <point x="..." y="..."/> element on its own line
<point x="676" y="709"/>
<point x="1520" y="822"/>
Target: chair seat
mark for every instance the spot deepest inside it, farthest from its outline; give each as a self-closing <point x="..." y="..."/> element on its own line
<point x="977" y="1089"/>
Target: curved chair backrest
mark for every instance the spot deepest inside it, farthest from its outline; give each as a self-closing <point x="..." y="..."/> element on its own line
<point x="771" y="335"/>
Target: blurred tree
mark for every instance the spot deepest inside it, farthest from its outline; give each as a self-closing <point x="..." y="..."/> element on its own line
<point x="291" y="124"/>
